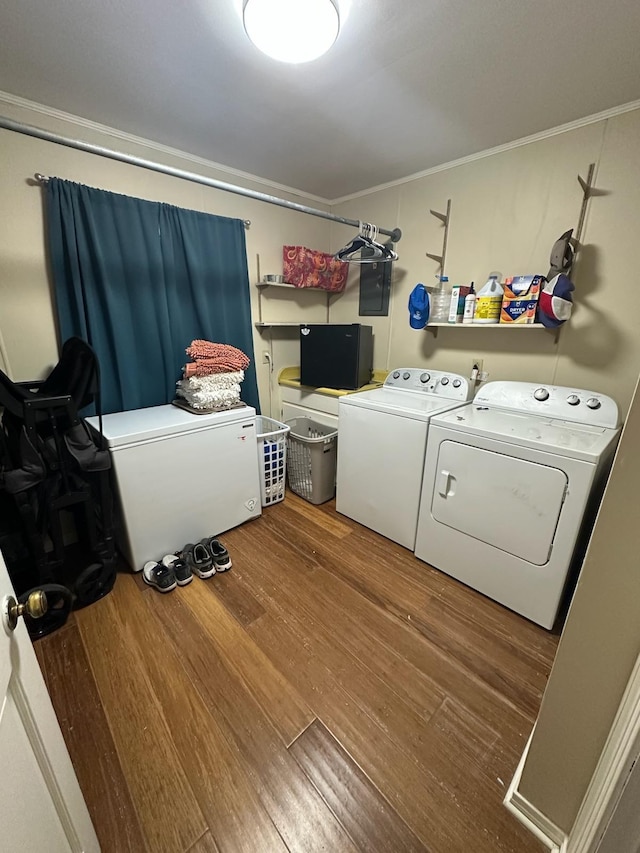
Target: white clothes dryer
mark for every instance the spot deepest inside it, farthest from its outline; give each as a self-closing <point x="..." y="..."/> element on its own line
<point x="511" y="486"/>
<point x="382" y="436"/>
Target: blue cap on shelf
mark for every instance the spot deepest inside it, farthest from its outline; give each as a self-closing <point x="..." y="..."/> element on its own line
<point x="418" y="307"/>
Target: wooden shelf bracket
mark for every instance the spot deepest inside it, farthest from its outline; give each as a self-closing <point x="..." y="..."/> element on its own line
<point x="445" y="218"/>
<point x="587" y="193"/>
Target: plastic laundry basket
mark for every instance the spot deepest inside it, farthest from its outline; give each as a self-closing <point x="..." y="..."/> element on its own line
<point x="311" y="468"/>
<point x="272" y="458"/>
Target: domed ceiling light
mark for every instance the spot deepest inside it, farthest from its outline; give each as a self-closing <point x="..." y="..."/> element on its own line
<point x="292" y="30"/>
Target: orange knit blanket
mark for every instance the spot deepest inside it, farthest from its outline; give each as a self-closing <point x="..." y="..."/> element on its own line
<point x="211" y="358"/>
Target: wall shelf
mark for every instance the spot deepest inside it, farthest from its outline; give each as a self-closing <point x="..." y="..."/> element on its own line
<point x="268" y="325"/>
<point x="513" y="327"/>
<point x="263" y="285"/>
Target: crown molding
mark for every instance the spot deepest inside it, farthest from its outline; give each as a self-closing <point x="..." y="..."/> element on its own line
<point x="59" y="115"/>
<point x="499" y="149"/>
<point x="77" y="121"/>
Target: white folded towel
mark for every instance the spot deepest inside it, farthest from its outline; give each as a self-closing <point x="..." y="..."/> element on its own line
<point x="218" y="390"/>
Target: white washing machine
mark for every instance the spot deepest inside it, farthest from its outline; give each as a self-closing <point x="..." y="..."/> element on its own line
<point x="382" y="436"/>
<point x="511" y="484"/>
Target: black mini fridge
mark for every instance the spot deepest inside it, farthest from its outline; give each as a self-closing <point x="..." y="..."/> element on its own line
<point x="336" y="356"/>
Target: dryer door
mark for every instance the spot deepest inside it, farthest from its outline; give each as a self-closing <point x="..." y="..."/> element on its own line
<point x="509" y="503"/>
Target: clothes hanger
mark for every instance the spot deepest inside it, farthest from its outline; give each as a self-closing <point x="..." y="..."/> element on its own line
<point x="364" y="248"/>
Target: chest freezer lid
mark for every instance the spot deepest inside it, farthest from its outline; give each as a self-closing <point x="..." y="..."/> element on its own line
<point x="138" y="425"/>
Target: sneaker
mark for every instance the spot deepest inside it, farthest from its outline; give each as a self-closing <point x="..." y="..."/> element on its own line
<point x="199" y="560"/>
<point x="219" y="554"/>
<point x="162" y="577"/>
<point x="181" y="570"/>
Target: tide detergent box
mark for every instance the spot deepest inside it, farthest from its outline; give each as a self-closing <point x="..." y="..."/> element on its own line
<point x="520" y="299"/>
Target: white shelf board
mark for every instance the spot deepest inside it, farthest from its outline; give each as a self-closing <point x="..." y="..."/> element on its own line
<point x="485" y="326"/>
<point x="433" y="327"/>
<point x="266" y="325"/>
<point x="262" y="284"/>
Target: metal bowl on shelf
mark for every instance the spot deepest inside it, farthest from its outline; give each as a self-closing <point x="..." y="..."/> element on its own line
<point x="273" y="279"/>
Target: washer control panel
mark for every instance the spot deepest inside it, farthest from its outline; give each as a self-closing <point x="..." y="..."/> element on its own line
<point x="448" y="385"/>
<point x="569" y="404"/>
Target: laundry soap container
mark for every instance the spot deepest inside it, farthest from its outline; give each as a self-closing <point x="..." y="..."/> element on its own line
<point x="489" y="302"/>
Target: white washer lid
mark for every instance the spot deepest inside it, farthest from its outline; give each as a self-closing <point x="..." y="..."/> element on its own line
<point x="138" y="425"/>
<point x="576" y="441"/>
<point x="408" y="404"/>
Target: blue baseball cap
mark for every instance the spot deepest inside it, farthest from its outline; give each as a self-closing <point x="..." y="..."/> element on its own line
<point x="418" y="307"/>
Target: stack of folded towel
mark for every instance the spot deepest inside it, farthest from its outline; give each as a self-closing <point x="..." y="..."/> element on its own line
<point x="212" y="380"/>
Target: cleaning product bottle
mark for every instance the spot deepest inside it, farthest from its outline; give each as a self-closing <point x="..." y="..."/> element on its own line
<point x="441" y="301"/>
<point x="489" y="302"/>
<point x="469" y="306"/>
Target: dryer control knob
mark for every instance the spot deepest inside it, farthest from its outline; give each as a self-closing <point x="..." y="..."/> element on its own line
<point x="573" y="399"/>
<point x="406" y="375"/>
<point x="444" y="380"/>
<point x="457" y="383"/>
<point x="425" y="377"/>
<point x="396" y="374"/>
<point x="541" y="394"/>
<point x="593" y="403"/>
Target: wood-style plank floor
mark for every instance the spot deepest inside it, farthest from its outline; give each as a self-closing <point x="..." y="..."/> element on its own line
<point x="329" y="693"/>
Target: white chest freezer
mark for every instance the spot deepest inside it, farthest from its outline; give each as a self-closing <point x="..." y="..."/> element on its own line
<point x="180" y="476"/>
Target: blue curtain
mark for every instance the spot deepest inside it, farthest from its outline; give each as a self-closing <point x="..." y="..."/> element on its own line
<point x="139" y="280"/>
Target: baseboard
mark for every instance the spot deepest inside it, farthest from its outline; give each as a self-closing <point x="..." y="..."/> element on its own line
<point x="536" y="822"/>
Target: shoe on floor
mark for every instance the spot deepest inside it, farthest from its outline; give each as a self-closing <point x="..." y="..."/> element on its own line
<point x="159" y="576"/>
<point x="199" y="560"/>
<point x="219" y="554"/>
<point x="180" y="568"/>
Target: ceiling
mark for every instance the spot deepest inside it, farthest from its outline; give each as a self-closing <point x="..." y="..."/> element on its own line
<point x="407" y="85"/>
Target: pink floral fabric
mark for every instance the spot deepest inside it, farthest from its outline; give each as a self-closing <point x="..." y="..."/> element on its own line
<point x="308" y="268"/>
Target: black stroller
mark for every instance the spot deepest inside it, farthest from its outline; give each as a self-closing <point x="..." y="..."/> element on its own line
<point x="53" y="464"/>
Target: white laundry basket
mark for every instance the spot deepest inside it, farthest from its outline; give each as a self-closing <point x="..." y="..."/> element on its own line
<point x="272" y="458"/>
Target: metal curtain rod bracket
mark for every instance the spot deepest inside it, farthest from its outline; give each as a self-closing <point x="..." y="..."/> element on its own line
<point x="445" y="219"/>
<point x="79" y="145"/>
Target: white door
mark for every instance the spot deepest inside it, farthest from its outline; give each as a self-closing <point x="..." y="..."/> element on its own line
<point x="509" y="503"/>
<point x="41" y="805"/>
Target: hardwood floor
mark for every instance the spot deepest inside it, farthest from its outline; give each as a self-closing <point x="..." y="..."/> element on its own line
<point x="329" y="693"/>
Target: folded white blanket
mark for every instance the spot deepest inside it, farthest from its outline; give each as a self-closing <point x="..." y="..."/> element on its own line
<point x="218" y="390"/>
<point x="213" y="382"/>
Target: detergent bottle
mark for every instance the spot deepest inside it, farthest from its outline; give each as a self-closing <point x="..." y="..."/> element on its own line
<point x="489" y="301"/>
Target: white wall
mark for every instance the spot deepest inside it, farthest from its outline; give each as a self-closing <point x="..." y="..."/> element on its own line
<point x="507" y="211"/>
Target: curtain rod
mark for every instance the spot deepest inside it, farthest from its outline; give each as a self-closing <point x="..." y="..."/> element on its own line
<point x="79" y="145"/>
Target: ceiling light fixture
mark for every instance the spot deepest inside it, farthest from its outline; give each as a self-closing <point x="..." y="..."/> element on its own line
<point x="292" y="30"/>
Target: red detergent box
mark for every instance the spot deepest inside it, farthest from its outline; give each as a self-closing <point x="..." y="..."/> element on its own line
<point x="520" y="299"/>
